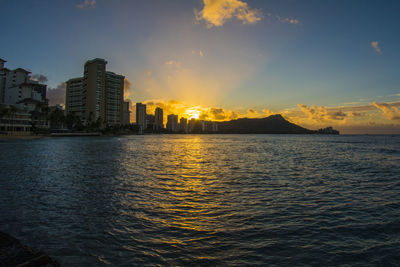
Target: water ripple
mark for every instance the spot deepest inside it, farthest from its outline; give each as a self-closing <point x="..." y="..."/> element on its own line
<point x="205" y="199"/>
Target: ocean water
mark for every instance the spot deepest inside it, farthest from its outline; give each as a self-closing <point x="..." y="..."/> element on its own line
<point x="271" y="200"/>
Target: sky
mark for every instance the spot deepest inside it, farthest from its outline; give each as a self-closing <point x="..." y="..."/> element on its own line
<point x="318" y="63"/>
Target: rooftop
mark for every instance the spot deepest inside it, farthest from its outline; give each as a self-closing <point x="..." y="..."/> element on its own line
<point x="115" y="74"/>
<point x="21" y="70"/>
<point x="96" y="59"/>
<point x="75" y="79"/>
<point x="32" y="84"/>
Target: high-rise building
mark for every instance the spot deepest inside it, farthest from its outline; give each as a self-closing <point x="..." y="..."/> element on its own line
<point x="3" y="75"/>
<point x="172" y="123"/>
<point x="183" y="125"/>
<point x="150" y="121"/>
<point x="127" y="113"/>
<point x="209" y="126"/>
<point x="141" y="118"/>
<point x="74" y="98"/>
<point x="114" y="98"/>
<point x="98" y="95"/>
<point x="159" y="119"/>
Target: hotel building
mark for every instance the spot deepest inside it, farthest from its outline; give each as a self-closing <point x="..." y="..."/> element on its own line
<point x="99" y="94"/>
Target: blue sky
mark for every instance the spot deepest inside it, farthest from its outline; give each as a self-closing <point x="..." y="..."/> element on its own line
<point x="316" y="53"/>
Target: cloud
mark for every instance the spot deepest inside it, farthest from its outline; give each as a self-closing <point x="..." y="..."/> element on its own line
<point x="391" y="111"/>
<point x="128" y="94"/>
<point x="375" y="46"/>
<point x="39" y="78"/>
<point x="56" y="95"/>
<point x="268" y="112"/>
<point x="203" y="112"/>
<point x="362" y="119"/>
<point x="87" y="4"/>
<point x="357" y="114"/>
<point x="321" y="113"/>
<point x="217" y="12"/>
<point x="127" y="89"/>
<point x="173" y="63"/>
<point x="287" y="20"/>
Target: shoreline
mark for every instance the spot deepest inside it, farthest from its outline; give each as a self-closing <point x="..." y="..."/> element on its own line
<point x="21" y="137"/>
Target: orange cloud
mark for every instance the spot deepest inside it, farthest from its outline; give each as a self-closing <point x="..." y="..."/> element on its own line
<point x="201" y="112"/>
<point x="391" y="112"/>
<point x="321" y="113"/>
<point x="354" y="119"/>
<point x="217" y="12"/>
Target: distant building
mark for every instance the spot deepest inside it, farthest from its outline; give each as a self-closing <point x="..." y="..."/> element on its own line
<point x="209" y="126"/>
<point x="191" y="125"/>
<point x="172" y="123"/>
<point x="159" y="119"/>
<point x="99" y="94"/>
<point x="183" y="125"/>
<point x="127" y="113"/>
<point x="141" y="118"/>
<point x="150" y="121"/>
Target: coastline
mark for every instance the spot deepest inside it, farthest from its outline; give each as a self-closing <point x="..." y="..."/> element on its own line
<point x="21" y="137"/>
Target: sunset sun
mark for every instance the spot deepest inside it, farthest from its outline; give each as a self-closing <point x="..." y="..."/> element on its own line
<point x="193" y="113"/>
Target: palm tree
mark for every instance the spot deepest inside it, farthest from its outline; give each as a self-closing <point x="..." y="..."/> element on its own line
<point x="57" y="118"/>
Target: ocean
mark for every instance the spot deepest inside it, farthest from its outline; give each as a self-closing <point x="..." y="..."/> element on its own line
<point x="235" y="200"/>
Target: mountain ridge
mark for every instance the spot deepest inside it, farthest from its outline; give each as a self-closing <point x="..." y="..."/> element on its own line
<point x="274" y="124"/>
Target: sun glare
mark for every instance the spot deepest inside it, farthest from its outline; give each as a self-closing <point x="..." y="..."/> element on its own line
<point x="193" y="113"/>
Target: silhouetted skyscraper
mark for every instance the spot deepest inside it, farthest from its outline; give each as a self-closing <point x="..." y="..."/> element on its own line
<point x="159" y="119"/>
<point x="141" y="118"/>
<point x="183" y="125"/>
<point x="127" y="113"/>
<point x="172" y="123"/>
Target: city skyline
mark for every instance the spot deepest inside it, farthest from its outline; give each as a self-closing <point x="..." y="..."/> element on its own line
<point x="331" y="64"/>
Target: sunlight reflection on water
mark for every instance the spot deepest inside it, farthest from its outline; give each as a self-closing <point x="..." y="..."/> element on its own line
<point x="205" y="199"/>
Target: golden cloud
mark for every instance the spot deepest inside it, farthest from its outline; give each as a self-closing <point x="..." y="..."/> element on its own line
<point x="391" y="111"/>
<point x="358" y="119"/>
<point x="201" y="112"/>
<point x="321" y="113"/>
<point x="217" y="12"/>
